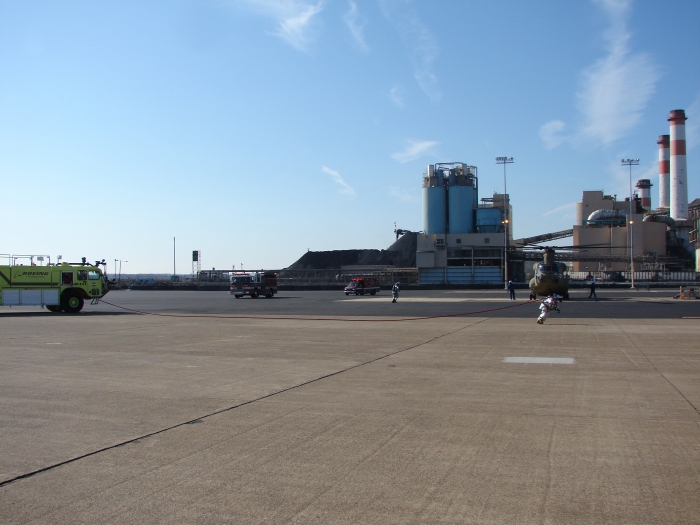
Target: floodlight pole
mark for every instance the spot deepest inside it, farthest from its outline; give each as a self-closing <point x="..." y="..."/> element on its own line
<point x="630" y="163"/>
<point x="504" y="161"/>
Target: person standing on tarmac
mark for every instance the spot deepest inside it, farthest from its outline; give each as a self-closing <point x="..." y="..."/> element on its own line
<point x="395" y="293"/>
<point x="593" y="295"/>
<point x="511" y="290"/>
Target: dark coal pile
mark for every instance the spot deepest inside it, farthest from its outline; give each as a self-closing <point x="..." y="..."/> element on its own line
<point x="401" y="254"/>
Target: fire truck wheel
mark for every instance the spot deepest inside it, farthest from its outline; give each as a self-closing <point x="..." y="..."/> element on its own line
<point x="373" y="292"/>
<point x="53" y="308"/>
<point x="71" y="302"/>
<point x="269" y="294"/>
<point x="254" y="294"/>
<point x="237" y="296"/>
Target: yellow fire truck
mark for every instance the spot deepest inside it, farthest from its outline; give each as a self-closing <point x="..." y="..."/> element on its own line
<point x="60" y="287"/>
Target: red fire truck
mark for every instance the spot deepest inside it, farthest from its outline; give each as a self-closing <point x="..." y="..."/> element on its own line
<point x="254" y="284"/>
<point x="362" y="285"/>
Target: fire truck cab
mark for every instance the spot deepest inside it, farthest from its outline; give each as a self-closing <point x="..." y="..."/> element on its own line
<point x="59" y="287"/>
<point x="253" y="284"/>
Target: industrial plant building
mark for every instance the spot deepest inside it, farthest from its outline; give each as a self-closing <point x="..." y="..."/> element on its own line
<point x="659" y="239"/>
<point x="467" y="240"/>
<point x="464" y="238"/>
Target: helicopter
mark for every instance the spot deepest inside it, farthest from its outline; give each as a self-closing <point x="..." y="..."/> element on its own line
<point x="550" y="276"/>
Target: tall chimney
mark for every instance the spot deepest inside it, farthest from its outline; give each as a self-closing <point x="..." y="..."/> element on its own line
<point x="664" y="170"/>
<point x="644" y="186"/>
<point x="679" y="172"/>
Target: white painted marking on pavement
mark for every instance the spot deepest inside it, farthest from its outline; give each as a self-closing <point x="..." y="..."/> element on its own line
<point x="541" y="360"/>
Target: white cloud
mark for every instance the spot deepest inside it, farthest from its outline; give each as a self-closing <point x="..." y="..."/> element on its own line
<point x="396" y="96"/>
<point x="294" y="18"/>
<point x="566" y="210"/>
<point x="550" y="133"/>
<point x="692" y="127"/>
<point x="402" y="194"/>
<point x="424" y="47"/>
<point x="356" y="24"/>
<point x="414" y="150"/>
<point x="345" y="189"/>
<point x="614" y="90"/>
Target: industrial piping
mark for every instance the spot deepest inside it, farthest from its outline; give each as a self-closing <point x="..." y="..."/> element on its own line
<point x="600" y="215"/>
<point x="679" y="175"/>
<point x="668" y="221"/>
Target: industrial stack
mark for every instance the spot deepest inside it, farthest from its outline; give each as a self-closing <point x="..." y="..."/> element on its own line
<point x="681" y="218"/>
<point x="669" y="230"/>
<point x="679" y="175"/>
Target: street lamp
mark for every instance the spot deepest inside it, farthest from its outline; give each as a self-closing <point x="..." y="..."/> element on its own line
<point x="120" y="270"/>
<point x="504" y="161"/>
<point x="630" y="163"/>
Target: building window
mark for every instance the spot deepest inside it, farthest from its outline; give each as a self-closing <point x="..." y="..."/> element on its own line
<point x="487" y="240"/>
<point x="459" y="241"/>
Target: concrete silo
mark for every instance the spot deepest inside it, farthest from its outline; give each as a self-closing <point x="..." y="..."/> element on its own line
<point x="434" y="202"/>
<point x="462" y="194"/>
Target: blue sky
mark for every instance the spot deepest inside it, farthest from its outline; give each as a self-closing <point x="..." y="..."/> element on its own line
<point x="254" y="130"/>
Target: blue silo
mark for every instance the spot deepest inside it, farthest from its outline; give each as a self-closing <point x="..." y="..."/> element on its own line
<point x="434" y="202"/>
<point x="488" y="220"/>
<point x="462" y="196"/>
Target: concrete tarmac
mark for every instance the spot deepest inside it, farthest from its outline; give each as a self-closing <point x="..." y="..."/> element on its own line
<point x="207" y="417"/>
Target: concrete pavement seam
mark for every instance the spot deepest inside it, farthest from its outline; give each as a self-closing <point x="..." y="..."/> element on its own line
<point x="654" y="367"/>
<point x="227" y="409"/>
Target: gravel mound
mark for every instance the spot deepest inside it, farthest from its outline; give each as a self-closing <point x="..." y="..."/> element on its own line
<point x="401" y="254"/>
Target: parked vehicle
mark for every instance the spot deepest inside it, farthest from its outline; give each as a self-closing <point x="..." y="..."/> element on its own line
<point x="362" y="285"/>
<point x="60" y="287"/>
<point x="253" y="284"/>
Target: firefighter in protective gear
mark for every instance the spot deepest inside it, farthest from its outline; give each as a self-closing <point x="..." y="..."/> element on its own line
<point x="548" y="304"/>
<point x="395" y="293"/>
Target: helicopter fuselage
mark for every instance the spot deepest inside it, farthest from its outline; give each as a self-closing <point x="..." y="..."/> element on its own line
<point x="550" y="278"/>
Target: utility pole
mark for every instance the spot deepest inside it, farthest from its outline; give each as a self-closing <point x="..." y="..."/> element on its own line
<point x="630" y="163"/>
<point x="504" y="161"/>
<point x="174" y="273"/>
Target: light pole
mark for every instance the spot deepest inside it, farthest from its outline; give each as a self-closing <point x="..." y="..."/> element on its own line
<point x="504" y="161"/>
<point x="630" y="163"/>
<point x="120" y="270"/>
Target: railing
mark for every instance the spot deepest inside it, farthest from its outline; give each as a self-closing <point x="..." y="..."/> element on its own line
<point x="11" y="260"/>
<point x="337" y="277"/>
<point x="332" y="277"/>
<point x="650" y="276"/>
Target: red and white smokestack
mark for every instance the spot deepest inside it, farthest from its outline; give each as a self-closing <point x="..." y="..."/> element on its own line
<point x="679" y="171"/>
<point x="644" y="187"/>
<point x="664" y="170"/>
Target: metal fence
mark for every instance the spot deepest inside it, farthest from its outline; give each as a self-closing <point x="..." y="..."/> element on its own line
<point x="387" y="276"/>
<point x="652" y="276"/>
